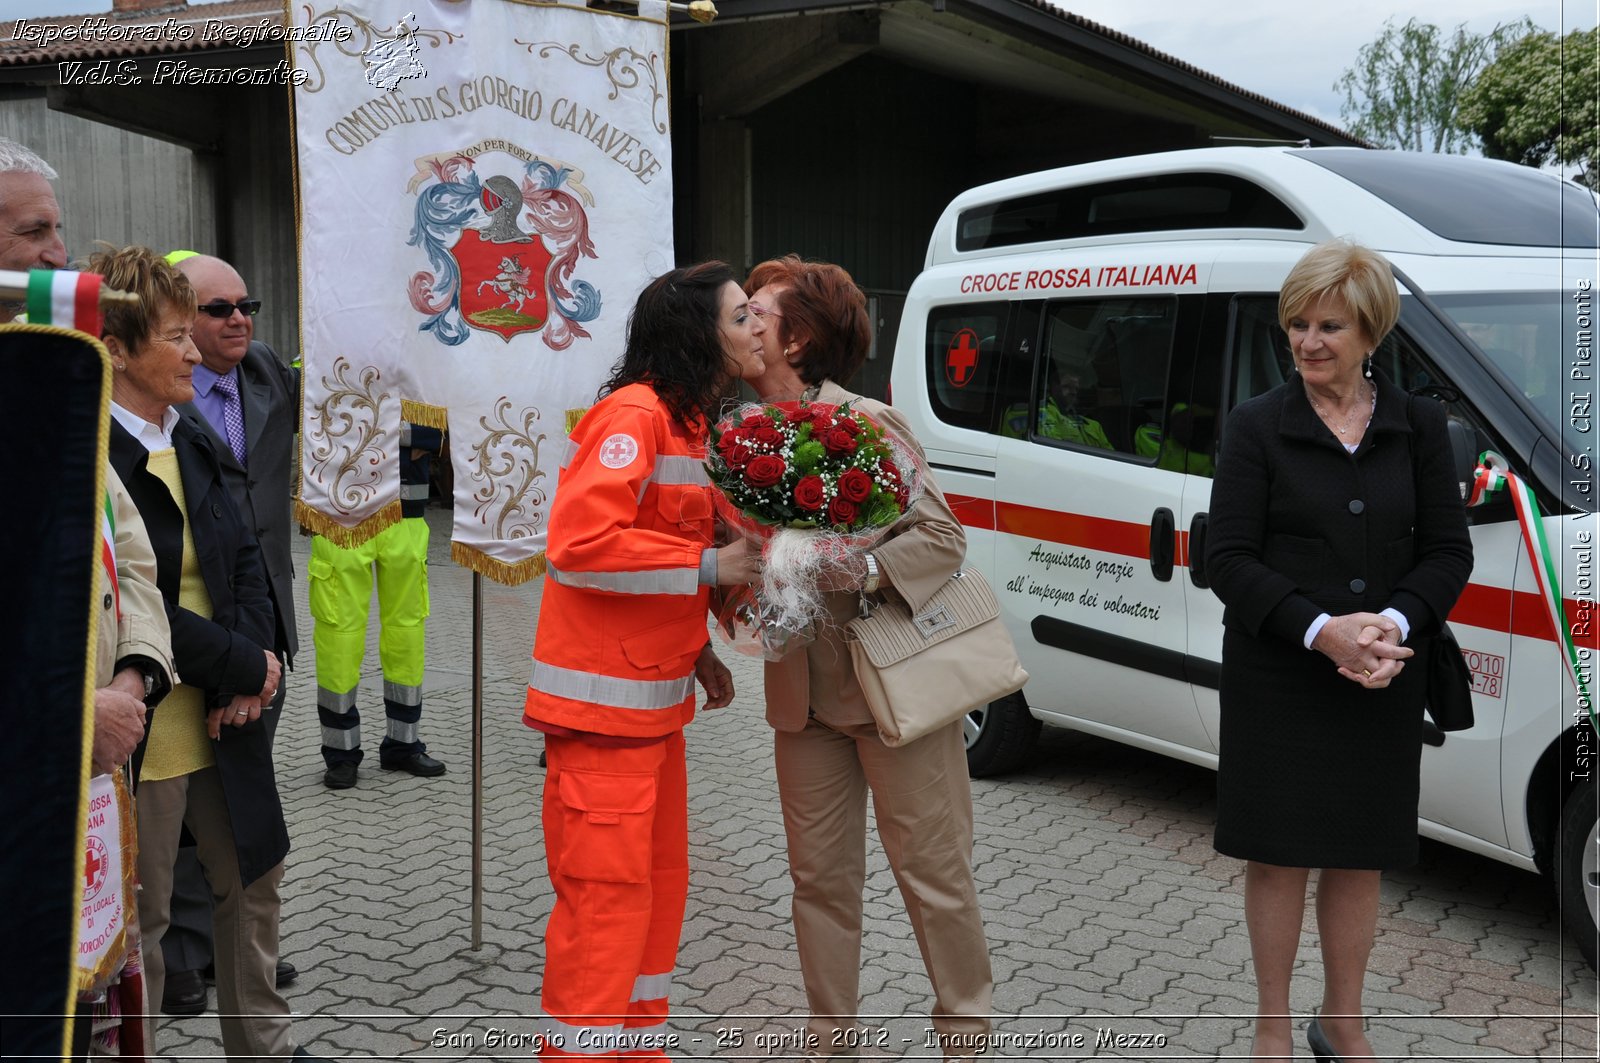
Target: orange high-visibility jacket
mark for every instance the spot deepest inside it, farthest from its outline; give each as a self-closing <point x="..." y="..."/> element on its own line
<point x="623" y="615"/>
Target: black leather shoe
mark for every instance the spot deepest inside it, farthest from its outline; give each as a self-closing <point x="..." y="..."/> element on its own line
<point x="184" y="993"/>
<point x="416" y="763"/>
<point x="340" y="777"/>
<point x="1319" y="1043"/>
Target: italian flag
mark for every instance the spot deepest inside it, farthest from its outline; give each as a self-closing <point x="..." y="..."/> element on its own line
<point x="108" y="544"/>
<point x="64" y="298"/>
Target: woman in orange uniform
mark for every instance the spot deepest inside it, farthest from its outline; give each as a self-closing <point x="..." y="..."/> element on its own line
<point x="621" y="641"/>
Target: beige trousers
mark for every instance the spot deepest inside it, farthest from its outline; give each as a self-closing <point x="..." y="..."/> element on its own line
<point x="922" y="800"/>
<point x="255" y="1018"/>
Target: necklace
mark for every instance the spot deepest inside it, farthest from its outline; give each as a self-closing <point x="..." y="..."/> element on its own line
<point x="1343" y="429"/>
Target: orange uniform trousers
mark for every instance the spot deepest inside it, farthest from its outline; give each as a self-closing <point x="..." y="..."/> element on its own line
<point x="616" y="828"/>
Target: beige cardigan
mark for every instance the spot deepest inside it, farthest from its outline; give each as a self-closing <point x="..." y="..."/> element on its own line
<point x="918" y="556"/>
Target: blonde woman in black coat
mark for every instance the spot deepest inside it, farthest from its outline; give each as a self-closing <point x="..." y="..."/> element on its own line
<point x="1338" y="544"/>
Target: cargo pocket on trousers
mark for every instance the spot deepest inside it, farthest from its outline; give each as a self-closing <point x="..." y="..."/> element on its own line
<point x="321" y="594"/>
<point x="607" y="825"/>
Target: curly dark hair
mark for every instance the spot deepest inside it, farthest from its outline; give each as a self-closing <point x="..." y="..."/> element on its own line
<point x="675" y="341"/>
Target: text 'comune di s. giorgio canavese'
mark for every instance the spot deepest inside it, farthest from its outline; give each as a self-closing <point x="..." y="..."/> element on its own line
<point x="368" y="122"/>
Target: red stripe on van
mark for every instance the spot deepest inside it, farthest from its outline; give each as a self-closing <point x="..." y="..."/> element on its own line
<point x="1491" y="608"/>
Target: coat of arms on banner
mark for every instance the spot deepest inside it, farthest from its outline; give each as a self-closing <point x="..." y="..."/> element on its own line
<point x="504" y="232"/>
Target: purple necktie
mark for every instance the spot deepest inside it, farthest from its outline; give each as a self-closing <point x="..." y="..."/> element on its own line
<point x="232" y="415"/>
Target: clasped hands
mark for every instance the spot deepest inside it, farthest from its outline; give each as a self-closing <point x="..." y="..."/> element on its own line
<point x="1364" y="646"/>
<point x="245" y="708"/>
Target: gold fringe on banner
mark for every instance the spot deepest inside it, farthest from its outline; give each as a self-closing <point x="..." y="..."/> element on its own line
<point x="574" y="416"/>
<point x="340" y="535"/>
<point x="511" y="575"/>
<point x="425" y="414"/>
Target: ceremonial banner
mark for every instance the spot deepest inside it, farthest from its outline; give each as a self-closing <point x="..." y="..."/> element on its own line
<point x="484" y="189"/>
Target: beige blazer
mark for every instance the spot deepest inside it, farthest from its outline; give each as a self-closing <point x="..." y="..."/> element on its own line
<point x="918" y="556"/>
<point x="142" y="630"/>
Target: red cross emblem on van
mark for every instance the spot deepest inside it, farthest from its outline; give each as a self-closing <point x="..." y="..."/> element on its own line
<point x="961" y="358"/>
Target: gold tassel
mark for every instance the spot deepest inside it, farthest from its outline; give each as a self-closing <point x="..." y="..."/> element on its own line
<point x="342" y="535"/>
<point x="574" y="416"/>
<point x="424" y="414"/>
<point x="508" y="573"/>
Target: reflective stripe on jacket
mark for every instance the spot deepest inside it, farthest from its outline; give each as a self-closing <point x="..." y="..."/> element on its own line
<point x="623" y="615"/>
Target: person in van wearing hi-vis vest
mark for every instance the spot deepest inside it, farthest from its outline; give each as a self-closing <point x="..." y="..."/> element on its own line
<point x="1058" y="416"/>
<point x="340" y="594"/>
<point x="621" y="641"/>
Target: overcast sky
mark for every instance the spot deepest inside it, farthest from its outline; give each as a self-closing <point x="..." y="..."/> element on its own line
<point x="1289" y="51"/>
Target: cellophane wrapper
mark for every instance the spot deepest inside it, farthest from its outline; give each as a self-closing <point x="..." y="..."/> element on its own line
<point x="809" y="514"/>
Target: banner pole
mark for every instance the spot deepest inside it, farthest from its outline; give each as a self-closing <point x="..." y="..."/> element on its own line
<point x="477" y="761"/>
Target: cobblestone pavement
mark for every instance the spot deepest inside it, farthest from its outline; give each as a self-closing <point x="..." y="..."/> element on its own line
<point x="1108" y="913"/>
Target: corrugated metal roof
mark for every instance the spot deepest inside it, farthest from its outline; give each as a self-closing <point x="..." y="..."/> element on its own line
<point x="176" y="28"/>
<point x="1178" y="64"/>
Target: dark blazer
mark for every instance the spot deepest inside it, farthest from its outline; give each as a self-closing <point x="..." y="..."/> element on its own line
<point x="222" y="653"/>
<point x="270" y="398"/>
<point x="1299" y="527"/>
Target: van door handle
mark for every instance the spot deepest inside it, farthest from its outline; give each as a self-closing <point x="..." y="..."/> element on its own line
<point x="1163" y="532"/>
<point x="1197" y="551"/>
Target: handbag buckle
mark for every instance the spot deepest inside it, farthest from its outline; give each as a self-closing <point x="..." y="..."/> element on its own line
<point x="933" y="621"/>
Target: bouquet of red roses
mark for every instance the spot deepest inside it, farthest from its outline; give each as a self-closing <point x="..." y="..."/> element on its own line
<point x="816" y="483"/>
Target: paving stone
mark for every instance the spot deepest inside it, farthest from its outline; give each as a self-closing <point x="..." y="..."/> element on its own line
<point x="1105" y="906"/>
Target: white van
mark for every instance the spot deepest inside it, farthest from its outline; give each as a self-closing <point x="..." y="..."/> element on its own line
<point x="1069" y="355"/>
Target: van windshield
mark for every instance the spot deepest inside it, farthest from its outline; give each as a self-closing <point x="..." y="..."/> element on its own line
<point x="1542" y="342"/>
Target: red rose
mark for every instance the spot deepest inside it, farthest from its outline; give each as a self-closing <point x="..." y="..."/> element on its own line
<point x="730" y="439"/>
<point x="755" y="420"/>
<point x="855" y="486"/>
<point x="737" y="457"/>
<point x="890" y="470"/>
<point x="764" y="470"/>
<point x="849" y="424"/>
<point x="766" y="436"/>
<point x="902" y="495"/>
<point x="839" y="440"/>
<point x="810" y="493"/>
<point x="841" y="511"/>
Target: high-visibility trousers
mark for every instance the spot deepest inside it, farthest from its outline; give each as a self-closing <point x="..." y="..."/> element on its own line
<point x="340" y="592"/>
<point x="616" y="831"/>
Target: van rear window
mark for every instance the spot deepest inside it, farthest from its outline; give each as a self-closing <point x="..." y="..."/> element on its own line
<point x="1475" y="201"/>
<point x="1159" y="203"/>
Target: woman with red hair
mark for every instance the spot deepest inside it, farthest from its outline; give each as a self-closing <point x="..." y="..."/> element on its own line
<point x="825" y="742"/>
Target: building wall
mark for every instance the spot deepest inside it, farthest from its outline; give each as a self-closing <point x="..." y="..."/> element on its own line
<point x="115" y="186"/>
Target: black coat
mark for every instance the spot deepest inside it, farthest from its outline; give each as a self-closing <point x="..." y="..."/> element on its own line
<point x="1316" y="771"/>
<point x="221" y="654"/>
<point x="270" y="400"/>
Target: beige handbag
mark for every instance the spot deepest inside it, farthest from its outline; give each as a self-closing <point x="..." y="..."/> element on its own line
<point x="921" y="672"/>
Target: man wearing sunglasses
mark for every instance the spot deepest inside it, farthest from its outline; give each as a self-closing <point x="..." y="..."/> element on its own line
<point x="247" y="400"/>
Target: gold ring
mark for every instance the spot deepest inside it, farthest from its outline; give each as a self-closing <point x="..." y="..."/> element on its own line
<point x="1366" y="673"/>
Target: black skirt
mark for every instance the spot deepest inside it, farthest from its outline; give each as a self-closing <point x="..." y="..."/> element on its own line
<point x="1315" y="770"/>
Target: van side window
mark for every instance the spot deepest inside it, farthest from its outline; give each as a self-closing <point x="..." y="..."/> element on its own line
<point x="975" y="364"/>
<point x="1102" y="372"/>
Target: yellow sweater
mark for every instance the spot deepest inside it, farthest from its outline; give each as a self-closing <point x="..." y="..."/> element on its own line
<point x="178" y="742"/>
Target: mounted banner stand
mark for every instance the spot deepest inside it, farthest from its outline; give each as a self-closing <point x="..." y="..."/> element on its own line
<point x="483" y="190"/>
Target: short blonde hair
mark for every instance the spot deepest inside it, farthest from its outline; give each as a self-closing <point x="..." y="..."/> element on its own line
<point x="1358" y="276"/>
<point x="160" y="287"/>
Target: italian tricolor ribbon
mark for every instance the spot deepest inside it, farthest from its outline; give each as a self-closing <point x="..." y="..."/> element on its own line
<point x="108" y="551"/>
<point x="65" y="298"/>
<point x="1492" y="476"/>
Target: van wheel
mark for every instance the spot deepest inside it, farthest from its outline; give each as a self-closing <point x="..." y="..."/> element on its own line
<point x="1578" y="869"/>
<point x="999" y="736"/>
